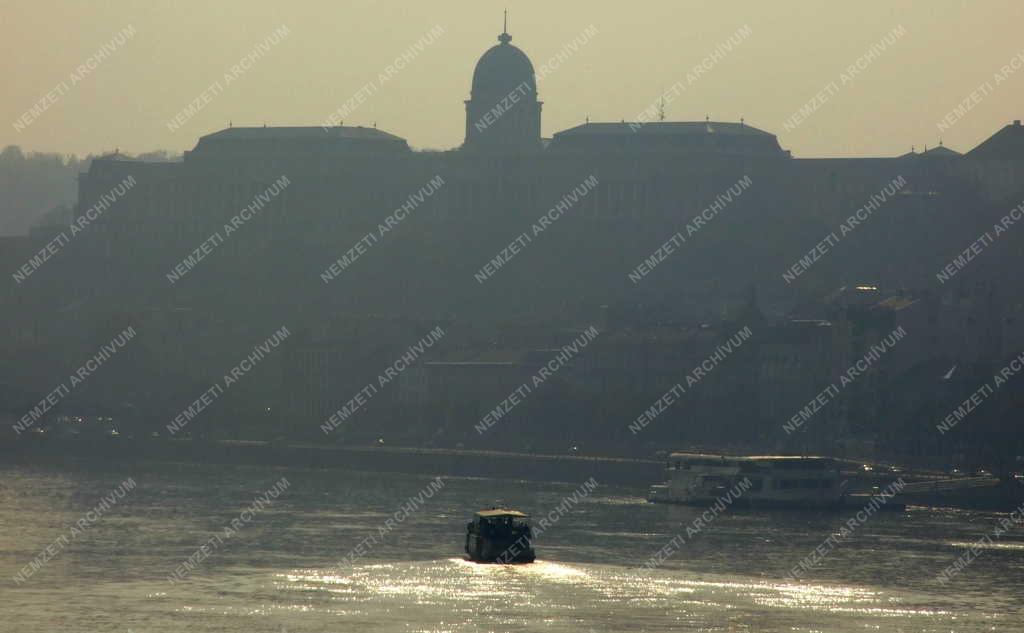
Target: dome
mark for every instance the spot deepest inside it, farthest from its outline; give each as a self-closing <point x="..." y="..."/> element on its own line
<point x="503" y="69"/>
<point x="503" y="113"/>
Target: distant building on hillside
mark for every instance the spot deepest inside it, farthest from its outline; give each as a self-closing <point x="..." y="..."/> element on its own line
<point x="662" y="221"/>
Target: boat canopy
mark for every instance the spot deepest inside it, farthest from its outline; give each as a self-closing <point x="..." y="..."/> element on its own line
<point x="499" y="512"/>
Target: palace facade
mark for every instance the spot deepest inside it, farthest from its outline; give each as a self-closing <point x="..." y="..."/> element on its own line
<point x="359" y="245"/>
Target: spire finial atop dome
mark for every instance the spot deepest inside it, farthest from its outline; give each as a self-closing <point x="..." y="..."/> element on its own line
<point x="505" y="38"/>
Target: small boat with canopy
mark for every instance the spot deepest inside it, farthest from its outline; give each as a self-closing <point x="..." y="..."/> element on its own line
<point x="499" y="535"/>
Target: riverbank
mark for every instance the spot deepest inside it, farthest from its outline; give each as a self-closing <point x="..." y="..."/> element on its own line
<point x="433" y="461"/>
<point x="922" y="488"/>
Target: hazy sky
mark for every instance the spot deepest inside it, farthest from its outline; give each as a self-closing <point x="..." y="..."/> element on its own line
<point x="335" y="47"/>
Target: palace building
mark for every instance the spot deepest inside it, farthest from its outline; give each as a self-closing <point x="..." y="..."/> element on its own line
<point x="359" y="244"/>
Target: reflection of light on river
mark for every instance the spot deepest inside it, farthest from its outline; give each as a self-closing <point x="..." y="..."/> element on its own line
<point x="501" y="591"/>
<point x="544" y="570"/>
<point x="444" y="581"/>
<point x="979" y="544"/>
<point x="788" y="595"/>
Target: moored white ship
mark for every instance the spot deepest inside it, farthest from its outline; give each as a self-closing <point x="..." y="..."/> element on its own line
<point x="774" y="481"/>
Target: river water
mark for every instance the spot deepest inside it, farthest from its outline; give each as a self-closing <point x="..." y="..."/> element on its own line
<point x="292" y="565"/>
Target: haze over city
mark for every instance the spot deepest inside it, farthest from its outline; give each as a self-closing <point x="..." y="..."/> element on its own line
<point x="460" y="316"/>
<point x="334" y="48"/>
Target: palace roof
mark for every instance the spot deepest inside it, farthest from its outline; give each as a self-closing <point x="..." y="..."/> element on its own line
<point x="1006" y="144"/>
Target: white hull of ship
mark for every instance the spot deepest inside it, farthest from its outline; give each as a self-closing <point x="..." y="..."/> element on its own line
<point x="767" y="482"/>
